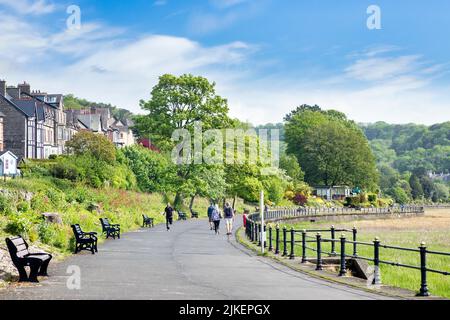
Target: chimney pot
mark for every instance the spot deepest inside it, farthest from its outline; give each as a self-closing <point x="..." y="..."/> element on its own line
<point x="3" y="87"/>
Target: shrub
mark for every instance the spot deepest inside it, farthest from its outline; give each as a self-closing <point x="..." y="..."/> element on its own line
<point x="372" y="198"/>
<point x="19" y="225"/>
<point x="300" y="199"/>
<point x="5" y="205"/>
<point x="23" y="206"/>
<point x="41" y="202"/>
<point x="353" y="201"/>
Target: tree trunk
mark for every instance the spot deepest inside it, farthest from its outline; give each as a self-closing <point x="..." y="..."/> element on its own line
<point x="191" y="204"/>
<point x="178" y="202"/>
<point x="234" y="202"/>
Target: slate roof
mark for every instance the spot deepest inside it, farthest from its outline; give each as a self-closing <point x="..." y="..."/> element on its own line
<point x="29" y="107"/>
<point x="92" y="121"/>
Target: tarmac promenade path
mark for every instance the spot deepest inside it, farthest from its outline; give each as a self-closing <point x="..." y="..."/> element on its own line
<point x="187" y="263"/>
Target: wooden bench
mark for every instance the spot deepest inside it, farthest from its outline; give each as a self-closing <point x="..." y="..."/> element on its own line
<point x="84" y="240"/>
<point x="147" y="221"/>
<point x="182" y="216"/>
<point x="21" y="258"/>
<point x="110" y="230"/>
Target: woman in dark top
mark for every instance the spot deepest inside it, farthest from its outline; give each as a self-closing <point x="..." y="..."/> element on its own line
<point x="168" y="211"/>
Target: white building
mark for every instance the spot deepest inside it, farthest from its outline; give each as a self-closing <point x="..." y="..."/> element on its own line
<point x="8" y="164"/>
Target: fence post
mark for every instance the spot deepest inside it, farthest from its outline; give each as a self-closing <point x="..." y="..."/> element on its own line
<point x="270" y="238"/>
<point x="292" y="255"/>
<point x="285" y="253"/>
<point x="277" y="240"/>
<point x="423" y="271"/>
<point x="343" y="270"/>
<point x="259" y="235"/>
<point x="333" y="245"/>
<point x="255" y="236"/>
<point x="319" y="265"/>
<point x="252" y="231"/>
<point x="376" y="262"/>
<point x="355" y="232"/>
<point x="304" y="246"/>
<point x="265" y="236"/>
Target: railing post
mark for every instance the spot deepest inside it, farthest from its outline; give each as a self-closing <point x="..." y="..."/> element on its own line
<point x="355" y="251"/>
<point x="259" y="235"/>
<point x="304" y="246"/>
<point x="333" y="245"/>
<point x="264" y="236"/>
<point x="277" y="239"/>
<point x="343" y="270"/>
<point x="292" y="255"/>
<point x="251" y="230"/>
<point x="270" y="238"/>
<point x="319" y="265"/>
<point x="255" y="236"/>
<point x="376" y="262"/>
<point x="285" y="253"/>
<point x="423" y="271"/>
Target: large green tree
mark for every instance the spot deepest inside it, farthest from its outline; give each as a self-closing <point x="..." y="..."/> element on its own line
<point x="330" y="149"/>
<point x="180" y="103"/>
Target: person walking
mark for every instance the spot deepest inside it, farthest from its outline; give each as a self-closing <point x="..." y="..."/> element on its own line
<point x="168" y="211"/>
<point x="229" y="218"/>
<point x="216" y="217"/>
<point x="210" y="212"/>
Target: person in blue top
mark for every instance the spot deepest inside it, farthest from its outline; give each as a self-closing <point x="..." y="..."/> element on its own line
<point x="229" y="218"/>
<point x="210" y="212"/>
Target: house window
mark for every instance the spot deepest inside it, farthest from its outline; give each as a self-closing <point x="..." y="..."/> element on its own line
<point x="6" y="164"/>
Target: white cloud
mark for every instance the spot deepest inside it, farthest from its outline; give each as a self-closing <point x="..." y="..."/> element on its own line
<point x="99" y="63"/>
<point x="36" y="7"/>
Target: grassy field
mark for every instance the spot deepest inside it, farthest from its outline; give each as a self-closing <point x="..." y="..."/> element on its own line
<point x="433" y="229"/>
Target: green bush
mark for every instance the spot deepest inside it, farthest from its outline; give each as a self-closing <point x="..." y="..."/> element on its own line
<point x="372" y="198"/>
<point x="23" y="206"/>
<point x="19" y="224"/>
<point x="5" y="205"/>
<point x="41" y="202"/>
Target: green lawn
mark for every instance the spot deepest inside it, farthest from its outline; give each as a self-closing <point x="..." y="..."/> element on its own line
<point x="433" y="229"/>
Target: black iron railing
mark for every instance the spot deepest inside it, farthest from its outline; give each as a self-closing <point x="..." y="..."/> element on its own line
<point x="278" y="242"/>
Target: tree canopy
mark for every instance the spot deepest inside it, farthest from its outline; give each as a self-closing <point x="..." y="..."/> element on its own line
<point x="330" y="149"/>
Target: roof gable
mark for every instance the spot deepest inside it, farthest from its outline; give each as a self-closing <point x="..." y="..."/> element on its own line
<point x="3" y="154"/>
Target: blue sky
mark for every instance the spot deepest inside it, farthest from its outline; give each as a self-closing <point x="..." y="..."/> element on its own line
<point x="266" y="56"/>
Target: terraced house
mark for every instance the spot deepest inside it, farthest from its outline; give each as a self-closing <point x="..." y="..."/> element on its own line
<point x="34" y="122"/>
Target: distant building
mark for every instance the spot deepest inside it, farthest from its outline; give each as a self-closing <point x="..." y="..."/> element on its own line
<point x="439" y="176"/>
<point x="123" y="134"/>
<point x="332" y="193"/>
<point x="8" y="163"/>
<point x="100" y="121"/>
<point x="33" y="122"/>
